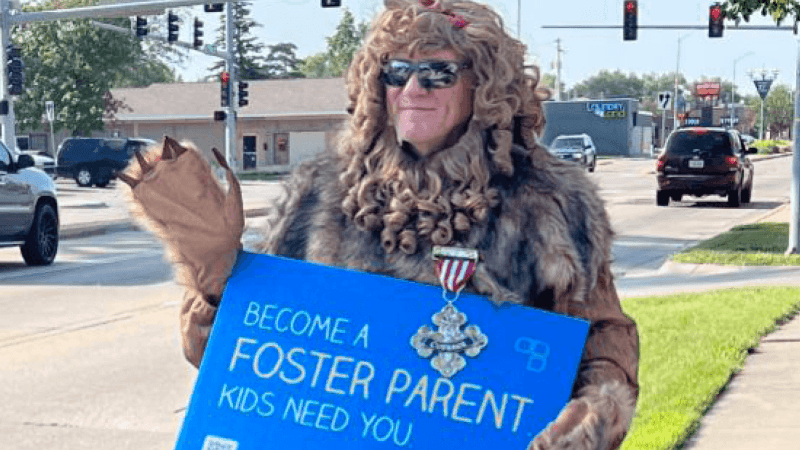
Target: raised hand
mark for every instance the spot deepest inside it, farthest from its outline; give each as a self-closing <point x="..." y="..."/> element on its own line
<point x="175" y="193"/>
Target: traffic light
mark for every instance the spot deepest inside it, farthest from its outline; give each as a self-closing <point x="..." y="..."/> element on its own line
<point x="198" y="33"/>
<point x="715" y="17"/>
<point x="225" y="89"/>
<point x="172" y="27"/>
<point x="141" y="26"/>
<point x="331" y="3"/>
<point x="630" y="24"/>
<point x="213" y="7"/>
<point x="243" y="93"/>
<point x="219" y="116"/>
<point x="15" y="67"/>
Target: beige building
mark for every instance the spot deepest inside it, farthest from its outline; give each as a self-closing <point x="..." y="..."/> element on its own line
<point x="285" y="122"/>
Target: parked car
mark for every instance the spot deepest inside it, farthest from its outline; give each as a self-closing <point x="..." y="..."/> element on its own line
<point x="42" y="161"/>
<point x="702" y="161"/>
<point x="28" y="208"/>
<point x="578" y="148"/>
<point x="95" y="161"/>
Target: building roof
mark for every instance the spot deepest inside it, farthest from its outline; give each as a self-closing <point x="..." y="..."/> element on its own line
<point x="267" y="98"/>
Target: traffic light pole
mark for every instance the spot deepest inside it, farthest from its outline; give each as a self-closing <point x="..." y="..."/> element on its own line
<point x="230" y="110"/>
<point x="794" y="218"/>
<point x="8" y="121"/>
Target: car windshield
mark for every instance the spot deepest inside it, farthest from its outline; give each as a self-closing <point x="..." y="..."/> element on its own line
<point x="568" y="143"/>
<point x="686" y="143"/>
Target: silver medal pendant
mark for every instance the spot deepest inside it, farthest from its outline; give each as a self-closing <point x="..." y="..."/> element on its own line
<point x="449" y="342"/>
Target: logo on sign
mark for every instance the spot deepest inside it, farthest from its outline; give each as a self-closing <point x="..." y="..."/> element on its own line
<point x="707" y="89"/>
<point x="607" y="110"/>
<point x="762" y="86"/>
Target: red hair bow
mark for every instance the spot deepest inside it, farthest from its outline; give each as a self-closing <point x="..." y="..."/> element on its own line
<point x="457" y="20"/>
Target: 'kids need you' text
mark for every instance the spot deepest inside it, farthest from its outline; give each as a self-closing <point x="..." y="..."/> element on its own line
<point x="338" y="375"/>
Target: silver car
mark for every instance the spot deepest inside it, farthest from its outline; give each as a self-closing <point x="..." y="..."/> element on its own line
<point x="28" y="208"/>
<point x="578" y="148"/>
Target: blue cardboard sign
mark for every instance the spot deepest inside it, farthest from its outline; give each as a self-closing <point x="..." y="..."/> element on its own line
<point x="304" y="355"/>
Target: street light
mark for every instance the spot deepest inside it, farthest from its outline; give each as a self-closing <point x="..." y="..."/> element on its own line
<point x="733" y="89"/>
<point x="675" y="98"/>
<point x="766" y="79"/>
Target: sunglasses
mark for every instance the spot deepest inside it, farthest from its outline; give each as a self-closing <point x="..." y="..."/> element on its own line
<point x="430" y="74"/>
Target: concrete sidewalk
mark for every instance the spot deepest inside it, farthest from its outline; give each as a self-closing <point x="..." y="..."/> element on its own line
<point x="760" y="407"/>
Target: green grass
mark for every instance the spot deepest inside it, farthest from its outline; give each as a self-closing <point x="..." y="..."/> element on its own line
<point x="760" y="244"/>
<point x="765" y="146"/>
<point x="690" y="346"/>
<point x="262" y="176"/>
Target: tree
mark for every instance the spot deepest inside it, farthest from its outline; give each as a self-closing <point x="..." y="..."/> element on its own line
<point x="144" y="73"/>
<point x="606" y="84"/>
<point x="73" y="64"/>
<point x="778" y="9"/>
<point x="549" y="80"/>
<point x="340" y="49"/>
<point x="281" y="62"/>
<point x="778" y="110"/>
<point x="247" y="52"/>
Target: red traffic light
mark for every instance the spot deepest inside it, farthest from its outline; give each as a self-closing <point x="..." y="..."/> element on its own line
<point x="715" y="12"/>
<point x="630" y="7"/>
<point x="225" y="77"/>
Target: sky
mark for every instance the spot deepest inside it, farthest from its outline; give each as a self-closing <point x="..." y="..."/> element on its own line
<point x="587" y="51"/>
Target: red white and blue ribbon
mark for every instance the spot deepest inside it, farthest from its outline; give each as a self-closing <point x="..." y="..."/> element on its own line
<point x="454" y="266"/>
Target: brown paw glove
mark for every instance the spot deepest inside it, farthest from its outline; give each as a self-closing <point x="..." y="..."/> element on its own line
<point x="174" y="192"/>
<point x="597" y="419"/>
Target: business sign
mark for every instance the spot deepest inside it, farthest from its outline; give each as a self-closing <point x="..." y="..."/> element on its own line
<point x="607" y="110"/>
<point x="707" y="89"/>
<point x="692" y="121"/>
<point x="727" y="120"/>
<point x="308" y="356"/>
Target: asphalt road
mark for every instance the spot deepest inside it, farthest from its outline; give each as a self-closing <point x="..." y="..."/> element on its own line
<point x="89" y="347"/>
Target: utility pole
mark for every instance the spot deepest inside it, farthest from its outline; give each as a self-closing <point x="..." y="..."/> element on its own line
<point x="558" y="69"/>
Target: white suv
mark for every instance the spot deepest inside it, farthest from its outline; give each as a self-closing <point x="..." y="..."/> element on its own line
<point x="578" y="148"/>
<point x="28" y="208"/>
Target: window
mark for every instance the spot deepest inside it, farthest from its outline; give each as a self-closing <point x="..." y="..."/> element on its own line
<point x="5" y="159"/>
<point x="568" y="143"/>
<point x="686" y="143"/>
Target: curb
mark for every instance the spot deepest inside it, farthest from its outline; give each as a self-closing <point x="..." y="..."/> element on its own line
<point x="76" y="231"/>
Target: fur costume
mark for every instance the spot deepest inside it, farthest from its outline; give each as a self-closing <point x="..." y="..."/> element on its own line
<point x="547" y="245"/>
<point x="541" y="229"/>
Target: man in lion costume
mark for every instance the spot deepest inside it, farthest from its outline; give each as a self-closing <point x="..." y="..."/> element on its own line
<point x="440" y="149"/>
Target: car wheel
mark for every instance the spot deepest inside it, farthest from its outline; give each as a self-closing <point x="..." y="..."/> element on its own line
<point x="594" y="164"/>
<point x="83" y="176"/>
<point x="662" y="198"/>
<point x="41" y="245"/>
<point x="676" y="197"/>
<point x="735" y="197"/>
<point x="747" y="194"/>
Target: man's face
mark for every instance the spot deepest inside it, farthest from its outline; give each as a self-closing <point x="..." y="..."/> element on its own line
<point x="430" y="119"/>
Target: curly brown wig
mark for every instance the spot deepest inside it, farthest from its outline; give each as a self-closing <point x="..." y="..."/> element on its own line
<point x="440" y="197"/>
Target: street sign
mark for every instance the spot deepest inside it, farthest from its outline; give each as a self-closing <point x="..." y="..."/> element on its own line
<point x="50" y="108"/>
<point x="664" y="100"/>
<point x="762" y="86"/>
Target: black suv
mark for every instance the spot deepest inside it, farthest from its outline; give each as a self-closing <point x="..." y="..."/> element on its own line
<point x="702" y="161"/>
<point x="96" y="160"/>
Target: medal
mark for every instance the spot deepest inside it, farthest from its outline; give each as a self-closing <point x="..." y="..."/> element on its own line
<point x="449" y="342"/>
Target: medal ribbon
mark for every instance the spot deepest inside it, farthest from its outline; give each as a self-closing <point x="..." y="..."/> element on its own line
<point x="453" y="272"/>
